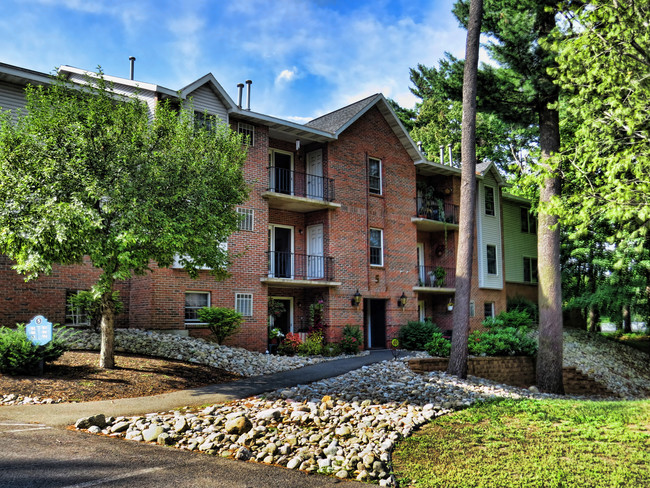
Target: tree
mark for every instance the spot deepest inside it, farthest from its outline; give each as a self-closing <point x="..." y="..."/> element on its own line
<point x="458" y="357"/>
<point x="87" y="172"/>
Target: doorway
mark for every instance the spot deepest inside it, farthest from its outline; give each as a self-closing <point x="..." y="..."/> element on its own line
<point x="282" y="174"/>
<point x="283" y="320"/>
<point x="281" y="251"/>
<point x="375" y="318"/>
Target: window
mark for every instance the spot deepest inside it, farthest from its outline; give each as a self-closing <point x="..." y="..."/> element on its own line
<point x="248" y="133"/>
<point x="489" y="200"/>
<point x="472" y="309"/>
<point x="74" y="315"/>
<point x="246" y="223"/>
<point x="528" y="221"/>
<point x="203" y="120"/>
<point x="374" y="176"/>
<point x="530" y="270"/>
<point x="488" y="309"/>
<point x="376" y="242"/>
<point x="244" y="304"/>
<point x="491" y="254"/>
<point x="194" y="300"/>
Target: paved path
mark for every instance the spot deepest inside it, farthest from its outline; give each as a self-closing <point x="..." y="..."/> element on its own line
<point x="62" y="414"/>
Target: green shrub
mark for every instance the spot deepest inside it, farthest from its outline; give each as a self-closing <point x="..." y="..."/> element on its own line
<point x="312" y="346"/>
<point x="331" y="350"/>
<point x="518" y="319"/>
<point x="414" y="335"/>
<point x="523" y="304"/>
<point x="19" y="355"/>
<point x="438" y="346"/>
<point x="352" y="339"/>
<point x="506" y="341"/>
<point x="222" y="322"/>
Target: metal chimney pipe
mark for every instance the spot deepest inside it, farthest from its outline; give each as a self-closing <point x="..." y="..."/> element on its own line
<point x="240" y="89"/>
<point x="442" y="154"/>
<point x="248" y="94"/>
<point x="132" y="59"/>
<point x="451" y="161"/>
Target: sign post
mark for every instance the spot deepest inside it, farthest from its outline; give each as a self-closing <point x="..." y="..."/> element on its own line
<point x="39" y="333"/>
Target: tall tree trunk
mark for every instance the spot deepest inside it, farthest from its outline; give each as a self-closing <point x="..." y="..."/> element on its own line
<point x="627" y="319"/>
<point x="107" y="349"/>
<point x="458" y="358"/>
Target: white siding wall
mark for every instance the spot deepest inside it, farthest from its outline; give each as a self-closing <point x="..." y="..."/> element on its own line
<point x="517" y="244"/>
<point x="12" y="97"/>
<point x="205" y="100"/>
<point x="489" y="233"/>
<point x="146" y="96"/>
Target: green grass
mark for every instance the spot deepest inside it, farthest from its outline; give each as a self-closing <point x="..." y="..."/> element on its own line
<point x="637" y="340"/>
<point x="530" y="443"/>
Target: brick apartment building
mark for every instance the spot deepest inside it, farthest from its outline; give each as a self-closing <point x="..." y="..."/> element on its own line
<point x="344" y="211"/>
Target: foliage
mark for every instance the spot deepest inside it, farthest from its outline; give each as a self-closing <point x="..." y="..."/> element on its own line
<point x="275" y="308"/>
<point x="316" y="316"/>
<point x="515" y="443"/>
<point x="438" y="346"/>
<point x="523" y="304"/>
<point x="501" y="341"/>
<point x="90" y="304"/>
<point x="85" y="171"/>
<point x="331" y="350"/>
<point x="517" y="319"/>
<point x="275" y="333"/>
<point x="222" y="322"/>
<point x="352" y="339"/>
<point x="415" y="334"/>
<point x="312" y="345"/>
<point x="18" y="355"/>
<point x="289" y="346"/>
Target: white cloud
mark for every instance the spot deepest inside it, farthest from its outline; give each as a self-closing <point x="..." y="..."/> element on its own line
<point x="287" y="75"/>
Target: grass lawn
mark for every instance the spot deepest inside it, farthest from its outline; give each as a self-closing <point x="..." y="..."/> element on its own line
<point x="637" y="340"/>
<point x="522" y="443"/>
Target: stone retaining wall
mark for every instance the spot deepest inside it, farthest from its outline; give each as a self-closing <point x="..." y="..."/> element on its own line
<point x="515" y="371"/>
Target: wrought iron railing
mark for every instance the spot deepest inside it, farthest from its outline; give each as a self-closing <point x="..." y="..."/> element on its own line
<point x="435" y="209"/>
<point x="298" y="184"/>
<point x="436" y="277"/>
<point x="300" y="266"/>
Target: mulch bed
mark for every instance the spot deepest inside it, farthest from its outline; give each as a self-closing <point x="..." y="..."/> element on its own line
<point x="76" y="377"/>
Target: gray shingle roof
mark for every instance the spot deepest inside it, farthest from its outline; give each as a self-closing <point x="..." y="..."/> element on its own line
<point x="334" y="121"/>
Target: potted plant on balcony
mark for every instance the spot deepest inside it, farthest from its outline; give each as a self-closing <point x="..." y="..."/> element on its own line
<point x="440" y="273"/>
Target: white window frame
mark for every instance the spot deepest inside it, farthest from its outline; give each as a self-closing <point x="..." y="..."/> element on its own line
<point x="422" y="315"/>
<point x="205" y="120"/>
<point x="196" y="321"/>
<point x="371" y="189"/>
<point x="490" y="190"/>
<point x="530" y="221"/>
<point x="532" y="269"/>
<point x="491" y="305"/>
<point x="244" y="304"/>
<point x="78" y="318"/>
<point x="248" y="131"/>
<point x="381" y="248"/>
<point x="247" y="223"/>
<point x="487" y="259"/>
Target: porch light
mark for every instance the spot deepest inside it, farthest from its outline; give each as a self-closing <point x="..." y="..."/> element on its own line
<point x="450" y="305"/>
<point x="401" y="301"/>
<point x="356" y="299"/>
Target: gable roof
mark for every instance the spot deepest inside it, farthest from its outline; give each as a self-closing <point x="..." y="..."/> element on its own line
<point x="338" y="121"/>
<point x="483" y="168"/>
<point x="214" y="85"/>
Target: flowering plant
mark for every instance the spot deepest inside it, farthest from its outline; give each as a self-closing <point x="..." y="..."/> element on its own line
<point x="351" y="342"/>
<point x="290" y="344"/>
<point x="275" y="333"/>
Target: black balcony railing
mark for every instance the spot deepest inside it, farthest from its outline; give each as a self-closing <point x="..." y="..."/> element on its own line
<point x="300" y="184"/>
<point x="436" y="277"/>
<point x="300" y="266"/>
<point x="435" y="209"/>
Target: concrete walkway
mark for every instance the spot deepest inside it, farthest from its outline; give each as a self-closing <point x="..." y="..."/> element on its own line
<point x="62" y="414"/>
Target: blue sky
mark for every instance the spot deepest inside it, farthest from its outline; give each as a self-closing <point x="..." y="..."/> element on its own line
<point x="305" y="57"/>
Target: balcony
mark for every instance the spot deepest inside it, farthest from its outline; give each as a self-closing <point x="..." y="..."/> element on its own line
<point x="299" y="192"/>
<point x="290" y="269"/>
<point x="434" y="215"/>
<point x="435" y="279"/>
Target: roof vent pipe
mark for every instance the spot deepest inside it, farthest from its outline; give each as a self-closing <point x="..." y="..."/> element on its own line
<point x="248" y="94"/>
<point x="451" y="161"/>
<point x="240" y="89"/>
<point x="442" y="154"/>
<point x="132" y="59"/>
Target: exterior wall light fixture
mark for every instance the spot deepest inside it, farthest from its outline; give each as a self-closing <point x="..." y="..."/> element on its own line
<point x="356" y="299"/>
<point x="401" y="301"/>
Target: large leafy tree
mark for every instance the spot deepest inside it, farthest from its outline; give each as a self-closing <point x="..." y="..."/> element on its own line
<point x="86" y="172"/>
